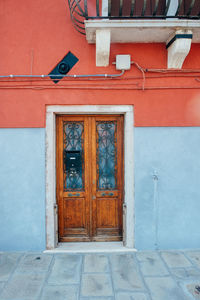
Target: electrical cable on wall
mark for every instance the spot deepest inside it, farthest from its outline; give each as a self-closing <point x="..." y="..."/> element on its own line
<point x="163" y="73"/>
<point x="64" y="76"/>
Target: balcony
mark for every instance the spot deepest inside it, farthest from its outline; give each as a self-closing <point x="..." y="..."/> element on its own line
<point x="174" y="22"/>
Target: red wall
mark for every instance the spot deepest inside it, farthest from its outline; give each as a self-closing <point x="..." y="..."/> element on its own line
<point x="35" y="35"/>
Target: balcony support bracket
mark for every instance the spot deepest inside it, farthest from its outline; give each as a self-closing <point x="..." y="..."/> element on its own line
<point x="102" y="47"/>
<point x="178" y="47"/>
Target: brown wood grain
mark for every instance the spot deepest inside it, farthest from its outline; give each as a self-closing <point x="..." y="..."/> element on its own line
<point x="90" y="214"/>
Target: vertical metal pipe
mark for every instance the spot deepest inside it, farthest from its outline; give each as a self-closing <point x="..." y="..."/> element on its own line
<point x="109" y="8"/>
<point x="144" y="7"/>
<point x="132" y="7"/>
<point x="120" y="7"/>
<point x="179" y="6"/>
<point x="86" y="9"/>
<point x="167" y="7"/>
<point x="155" y="7"/>
<point x="97" y="7"/>
<point x="155" y="206"/>
<point x="190" y="8"/>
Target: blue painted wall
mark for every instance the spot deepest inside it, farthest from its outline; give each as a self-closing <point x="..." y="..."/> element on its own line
<point x="167" y="187"/>
<point x="22" y="189"/>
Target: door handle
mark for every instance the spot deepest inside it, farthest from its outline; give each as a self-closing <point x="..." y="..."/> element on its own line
<point x="73" y="195"/>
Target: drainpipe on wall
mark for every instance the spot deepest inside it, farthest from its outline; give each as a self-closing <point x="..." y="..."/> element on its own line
<point x="155" y="206"/>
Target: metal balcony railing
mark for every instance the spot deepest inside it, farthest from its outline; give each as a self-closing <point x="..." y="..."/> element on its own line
<point x="81" y="10"/>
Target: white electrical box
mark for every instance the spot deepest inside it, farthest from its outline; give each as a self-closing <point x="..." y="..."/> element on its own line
<point x="123" y="62"/>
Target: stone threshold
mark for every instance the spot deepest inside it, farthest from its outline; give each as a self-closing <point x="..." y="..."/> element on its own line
<point x="91" y="247"/>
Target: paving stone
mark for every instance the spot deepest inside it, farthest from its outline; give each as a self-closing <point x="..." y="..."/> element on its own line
<point x="192" y="272"/>
<point x="127" y="280"/>
<point x="119" y="261"/>
<point x="125" y="273"/>
<point x="59" y="292"/>
<point x="8" y="262"/>
<point x="179" y="273"/>
<point x="1" y="286"/>
<point x="132" y="296"/>
<point x="23" y="287"/>
<point x="96" y="263"/>
<point x="96" y="285"/>
<point x="185" y="273"/>
<point x="175" y="259"/>
<point x="34" y="263"/>
<point x="164" y="288"/>
<point x="194" y="256"/>
<point x="66" y="270"/>
<point x="151" y="264"/>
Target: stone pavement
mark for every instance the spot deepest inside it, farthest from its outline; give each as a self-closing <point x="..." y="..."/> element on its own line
<point x="155" y="275"/>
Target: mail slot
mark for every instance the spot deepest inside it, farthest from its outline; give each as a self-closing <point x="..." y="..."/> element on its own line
<point x="73" y="161"/>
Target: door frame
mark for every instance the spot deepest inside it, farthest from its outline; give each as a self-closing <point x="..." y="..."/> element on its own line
<point x="51" y="206"/>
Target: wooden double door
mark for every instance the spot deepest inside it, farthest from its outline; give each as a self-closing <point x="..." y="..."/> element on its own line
<point x="89" y="177"/>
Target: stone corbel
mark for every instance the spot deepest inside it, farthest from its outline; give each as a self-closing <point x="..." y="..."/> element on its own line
<point x="102" y="47"/>
<point x="178" y="47"/>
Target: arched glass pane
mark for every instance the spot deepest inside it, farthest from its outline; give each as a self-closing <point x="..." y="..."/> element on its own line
<point x="73" y="156"/>
<point x="106" y="155"/>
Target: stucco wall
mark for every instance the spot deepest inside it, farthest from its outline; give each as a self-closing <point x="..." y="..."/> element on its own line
<point x="172" y="202"/>
<point x="168" y="99"/>
<point x="22" y="189"/>
<point x="173" y="153"/>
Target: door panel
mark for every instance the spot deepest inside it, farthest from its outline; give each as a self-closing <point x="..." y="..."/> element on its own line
<point x="72" y="166"/>
<point x="107" y="213"/>
<point x="107" y="172"/>
<point x="89" y="177"/>
<point x="74" y="213"/>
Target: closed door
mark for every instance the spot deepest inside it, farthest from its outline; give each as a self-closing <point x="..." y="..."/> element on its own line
<point x="89" y="177"/>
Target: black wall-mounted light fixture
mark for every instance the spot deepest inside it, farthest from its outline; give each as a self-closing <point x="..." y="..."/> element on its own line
<point x="63" y="67"/>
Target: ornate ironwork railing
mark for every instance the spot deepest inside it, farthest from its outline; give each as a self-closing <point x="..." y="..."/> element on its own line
<point x="81" y="10"/>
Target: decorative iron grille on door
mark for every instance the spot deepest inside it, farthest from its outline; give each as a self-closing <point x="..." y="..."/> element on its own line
<point x="90" y="177"/>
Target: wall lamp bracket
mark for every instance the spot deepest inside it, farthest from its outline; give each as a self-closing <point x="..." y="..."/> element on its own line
<point x="63" y="67"/>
